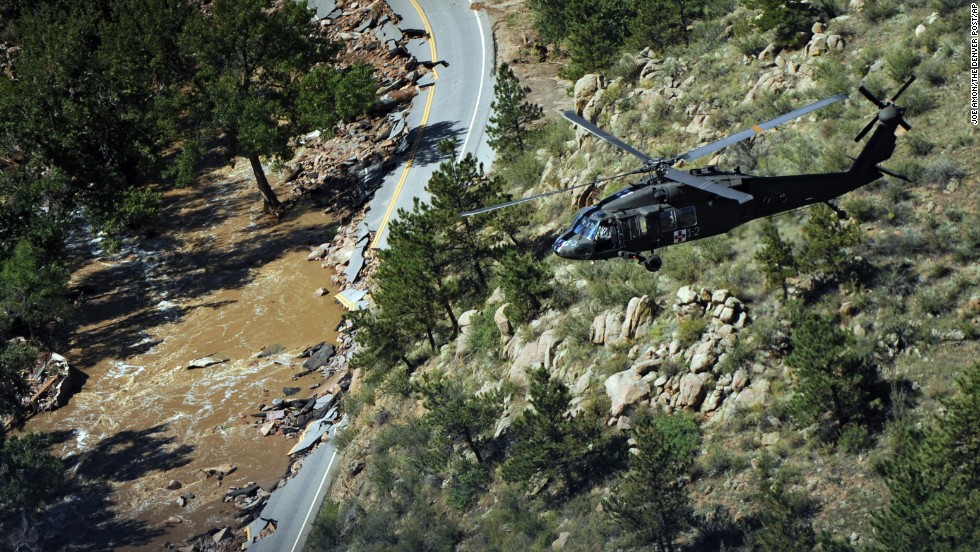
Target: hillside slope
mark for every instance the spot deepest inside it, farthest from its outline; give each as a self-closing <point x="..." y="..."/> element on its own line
<point x="892" y="311"/>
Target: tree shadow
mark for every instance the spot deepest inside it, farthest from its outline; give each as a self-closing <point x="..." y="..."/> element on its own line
<point x="131" y="454"/>
<point x="87" y="520"/>
<point x="428" y="152"/>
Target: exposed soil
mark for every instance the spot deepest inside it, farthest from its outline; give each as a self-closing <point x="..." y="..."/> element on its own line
<point x="518" y="44"/>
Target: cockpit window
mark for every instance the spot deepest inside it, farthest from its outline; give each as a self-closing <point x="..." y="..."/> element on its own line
<point x="577" y="223"/>
<point x="589" y="229"/>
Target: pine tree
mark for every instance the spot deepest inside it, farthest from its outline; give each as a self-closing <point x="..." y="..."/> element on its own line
<point x="783" y="513"/>
<point x="659" y="23"/>
<point x="549" y="19"/>
<point x="835" y="386"/>
<point x="511" y="115"/>
<point x="549" y="440"/>
<point x="790" y="18"/>
<point x="263" y="76"/>
<point x="775" y="257"/>
<point x="935" y="481"/>
<point x="826" y="249"/>
<point x="524" y="282"/>
<point x="652" y="499"/>
<point x="459" y="416"/>
<point x="33" y="287"/>
<point x="458" y="186"/>
<point x="29" y="475"/>
<point x="597" y="30"/>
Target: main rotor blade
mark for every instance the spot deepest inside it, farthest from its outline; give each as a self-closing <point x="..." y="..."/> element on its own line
<point x="482" y="210"/>
<point x="871" y="97"/>
<point x="758" y="129"/>
<point x="689" y="179"/>
<point x="902" y="89"/>
<point x="599" y="133"/>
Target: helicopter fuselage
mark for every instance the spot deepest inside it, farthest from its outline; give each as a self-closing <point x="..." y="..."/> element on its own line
<point x="653" y="214"/>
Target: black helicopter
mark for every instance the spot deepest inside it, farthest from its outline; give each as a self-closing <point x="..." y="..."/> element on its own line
<point x="671" y="206"/>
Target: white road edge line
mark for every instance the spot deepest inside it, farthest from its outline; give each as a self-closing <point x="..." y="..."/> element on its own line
<point x="326" y="473"/>
<point x="483" y="76"/>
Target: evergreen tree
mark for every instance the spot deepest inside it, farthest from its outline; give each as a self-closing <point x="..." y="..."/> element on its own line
<point x="33" y="287"/>
<point x="409" y="288"/>
<point x="550" y="19"/>
<point x="835" y="386"/>
<point x="459" y="416"/>
<point x="549" y="440"/>
<point x="525" y="283"/>
<point x="263" y="76"/>
<point x="652" y="499"/>
<point x="458" y="186"/>
<point x="935" y="481"/>
<point x="29" y="476"/>
<point x="828" y="241"/>
<point x="660" y="23"/>
<point x="512" y="114"/>
<point x="597" y="30"/>
<point x="783" y="514"/>
<point x="790" y="18"/>
<point x="14" y="360"/>
<point x="775" y="257"/>
<point x="91" y="91"/>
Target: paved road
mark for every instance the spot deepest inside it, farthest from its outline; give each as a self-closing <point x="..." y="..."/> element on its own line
<point x="293" y="508"/>
<point x="457" y="105"/>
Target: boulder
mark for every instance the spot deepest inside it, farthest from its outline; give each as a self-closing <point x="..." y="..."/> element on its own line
<point x="625" y="388"/>
<point x="686" y="295"/>
<point x="597" y="331"/>
<point x="206" y="361"/>
<point x="559" y="543"/>
<point x="692" y="391"/>
<point x="585" y="88"/>
<point x="502" y="321"/>
<point x="317" y="253"/>
<point x="712" y="402"/>
<point x="638" y="312"/>
<point x="719" y="296"/>
<point x="466" y="319"/>
<point x="173" y="485"/>
<point x="754" y="395"/>
<point x="704" y="356"/>
<point x="740" y="379"/>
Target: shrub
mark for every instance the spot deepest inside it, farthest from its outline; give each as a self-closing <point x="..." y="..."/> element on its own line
<point x="689" y="330"/>
<point x="900" y="62"/>
<point x="943" y="171"/>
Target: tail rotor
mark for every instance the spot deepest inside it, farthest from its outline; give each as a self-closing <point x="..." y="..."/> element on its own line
<point x="887" y="111"/>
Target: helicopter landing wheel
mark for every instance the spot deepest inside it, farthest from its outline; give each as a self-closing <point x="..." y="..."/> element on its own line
<point x="653" y="263"/>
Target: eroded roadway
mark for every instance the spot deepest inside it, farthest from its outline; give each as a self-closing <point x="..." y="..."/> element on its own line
<point x="456" y="105"/>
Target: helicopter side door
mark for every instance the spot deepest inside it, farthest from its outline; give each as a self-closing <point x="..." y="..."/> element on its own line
<point x="678" y="225"/>
<point x="635" y="233"/>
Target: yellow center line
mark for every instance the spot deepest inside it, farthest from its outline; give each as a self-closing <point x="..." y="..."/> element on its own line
<point x="425" y="118"/>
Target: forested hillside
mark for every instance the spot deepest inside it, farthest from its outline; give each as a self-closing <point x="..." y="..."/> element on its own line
<point x="803" y="382"/>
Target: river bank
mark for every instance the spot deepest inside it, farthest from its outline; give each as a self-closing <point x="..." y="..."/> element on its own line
<point x="147" y="440"/>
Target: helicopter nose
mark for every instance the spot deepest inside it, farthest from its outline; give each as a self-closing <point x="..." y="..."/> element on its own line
<point x="574" y="247"/>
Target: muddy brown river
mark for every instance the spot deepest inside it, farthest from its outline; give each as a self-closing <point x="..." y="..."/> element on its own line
<point x="219" y="279"/>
